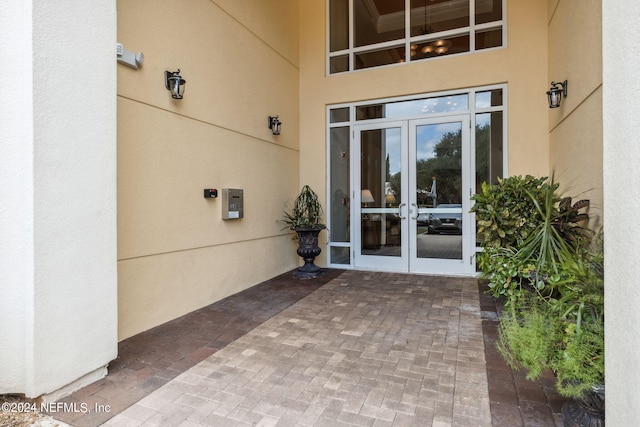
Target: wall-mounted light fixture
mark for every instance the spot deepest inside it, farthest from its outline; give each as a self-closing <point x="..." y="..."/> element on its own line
<point x="274" y="125"/>
<point x="174" y="82"/>
<point x="558" y="89"/>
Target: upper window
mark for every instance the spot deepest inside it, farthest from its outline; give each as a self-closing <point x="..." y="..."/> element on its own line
<point x="372" y="33"/>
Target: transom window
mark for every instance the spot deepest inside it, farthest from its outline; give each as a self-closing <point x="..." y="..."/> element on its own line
<point x="374" y="33"/>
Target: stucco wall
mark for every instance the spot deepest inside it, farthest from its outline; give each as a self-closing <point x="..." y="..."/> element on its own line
<point x="16" y="194"/>
<point x="522" y="65"/>
<point x="240" y="61"/>
<point x="58" y="264"/>
<point x="575" y="55"/>
<point x="621" y="153"/>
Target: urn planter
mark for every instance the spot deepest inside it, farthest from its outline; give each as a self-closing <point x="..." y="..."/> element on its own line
<point x="587" y="411"/>
<point x="304" y="217"/>
<point x="308" y="249"/>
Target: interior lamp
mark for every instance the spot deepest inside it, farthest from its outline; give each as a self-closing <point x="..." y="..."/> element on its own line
<point x="389" y="199"/>
<point x="366" y="197"/>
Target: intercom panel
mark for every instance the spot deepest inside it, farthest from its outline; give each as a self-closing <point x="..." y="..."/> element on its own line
<point x="232" y="203"/>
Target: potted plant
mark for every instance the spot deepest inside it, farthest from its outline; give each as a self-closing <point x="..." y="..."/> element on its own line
<point x="304" y="217"/>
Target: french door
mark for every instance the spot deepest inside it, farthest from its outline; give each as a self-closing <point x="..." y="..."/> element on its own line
<point x="412" y="181"/>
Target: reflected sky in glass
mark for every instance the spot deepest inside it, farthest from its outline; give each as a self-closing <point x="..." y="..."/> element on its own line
<point x="442" y="104"/>
<point x="491" y="98"/>
<point x="428" y="136"/>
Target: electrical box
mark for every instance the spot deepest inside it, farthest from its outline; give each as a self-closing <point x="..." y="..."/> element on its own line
<point x="210" y="193"/>
<point x="232" y="203"/>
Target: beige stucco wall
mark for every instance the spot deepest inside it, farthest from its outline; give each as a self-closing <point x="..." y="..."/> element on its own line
<point x="522" y="65"/>
<point x="575" y="128"/>
<point x="240" y="61"/>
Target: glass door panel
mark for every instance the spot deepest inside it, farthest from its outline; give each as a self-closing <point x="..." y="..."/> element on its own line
<point x="438" y="178"/>
<point x="411" y="194"/>
<point x="380" y="194"/>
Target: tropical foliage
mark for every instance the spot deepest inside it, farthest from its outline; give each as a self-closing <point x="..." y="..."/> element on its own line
<point x="506" y="211"/>
<point x="547" y="266"/>
<point x="305" y="211"/>
<point x="526" y="229"/>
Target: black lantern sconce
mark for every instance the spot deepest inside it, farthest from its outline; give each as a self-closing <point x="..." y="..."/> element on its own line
<point x="174" y="82"/>
<point x="274" y="125"/>
<point x="556" y="92"/>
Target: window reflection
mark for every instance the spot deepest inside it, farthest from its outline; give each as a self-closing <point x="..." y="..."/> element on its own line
<point x="430" y="17"/>
<point x="437" y="28"/>
<point x="491" y="98"/>
<point x="339" y="186"/>
<point x="339" y="64"/>
<point x="337" y="115"/>
<point x="441" y="104"/>
<point x="489" y="150"/>
<point x="377" y="58"/>
<point x="488" y="39"/>
<point x="488" y="11"/>
<point x="381" y="192"/>
<point x="378" y="21"/>
<point x="339" y="22"/>
<point x="340" y="255"/>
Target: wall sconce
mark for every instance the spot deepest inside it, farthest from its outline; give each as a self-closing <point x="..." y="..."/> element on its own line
<point x="274" y="125"/>
<point x="555" y="93"/>
<point x="174" y="82"/>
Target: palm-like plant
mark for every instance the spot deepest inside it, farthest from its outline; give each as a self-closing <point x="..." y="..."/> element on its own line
<point x="305" y="212"/>
<point x="558" y="233"/>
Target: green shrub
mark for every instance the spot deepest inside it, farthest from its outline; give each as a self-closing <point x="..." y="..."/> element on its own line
<point x="580" y="365"/>
<point x="506" y="212"/>
<point x="526" y="230"/>
<point x="505" y="273"/>
<point x="564" y="330"/>
<point x="530" y="339"/>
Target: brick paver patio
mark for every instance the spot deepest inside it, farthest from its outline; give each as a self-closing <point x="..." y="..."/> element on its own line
<point x="353" y="348"/>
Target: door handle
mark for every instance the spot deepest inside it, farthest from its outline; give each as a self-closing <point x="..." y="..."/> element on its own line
<point x="400" y="210"/>
<point x="415" y="206"/>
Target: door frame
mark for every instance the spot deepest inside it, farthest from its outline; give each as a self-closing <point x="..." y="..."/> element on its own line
<point x="408" y="260"/>
<point x="464" y="265"/>
<point x="377" y="262"/>
<point x="342" y="118"/>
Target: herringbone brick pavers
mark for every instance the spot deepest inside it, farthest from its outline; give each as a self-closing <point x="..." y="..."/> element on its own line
<point x="369" y="349"/>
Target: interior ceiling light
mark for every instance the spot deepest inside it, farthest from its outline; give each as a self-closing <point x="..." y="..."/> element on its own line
<point x="439" y="46"/>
